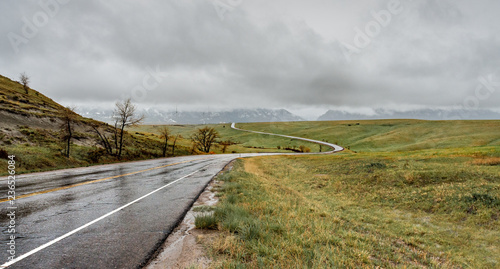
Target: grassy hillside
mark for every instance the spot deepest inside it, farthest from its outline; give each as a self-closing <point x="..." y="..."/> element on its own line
<point x="391" y="135"/>
<point x="30" y="128"/>
<point x="400" y="203"/>
<point x="14" y="100"/>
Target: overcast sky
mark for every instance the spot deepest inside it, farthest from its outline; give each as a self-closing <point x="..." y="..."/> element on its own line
<point x="306" y="56"/>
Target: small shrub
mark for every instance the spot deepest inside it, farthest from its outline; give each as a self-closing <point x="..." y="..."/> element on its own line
<point x="4" y="154"/>
<point x="231" y="199"/>
<point x="376" y="165"/>
<point x="95" y="155"/>
<point x="206" y="221"/>
<point x="304" y="149"/>
<point x="484" y="199"/>
<point x="250" y="231"/>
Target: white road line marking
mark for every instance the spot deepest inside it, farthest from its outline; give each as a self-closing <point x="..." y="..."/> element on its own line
<point x="88" y="224"/>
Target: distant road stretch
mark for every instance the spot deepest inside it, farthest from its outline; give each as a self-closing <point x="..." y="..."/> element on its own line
<point x="335" y="148"/>
<point x="106" y="216"/>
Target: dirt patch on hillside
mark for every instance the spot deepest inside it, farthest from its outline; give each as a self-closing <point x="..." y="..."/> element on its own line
<point x="12" y="123"/>
<point x="11" y="120"/>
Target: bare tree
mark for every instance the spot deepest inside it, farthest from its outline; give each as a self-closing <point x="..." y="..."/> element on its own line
<point x="165" y="134"/>
<point x="68" y="116"/>
<point x="204" y="138"/>
<point x="25" y="81"/>
<point x="125" y="115"/>
<point x="104" y="140"/>
<point x="173" y="145"/>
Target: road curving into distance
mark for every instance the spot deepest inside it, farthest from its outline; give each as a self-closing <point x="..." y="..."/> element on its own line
<point x="106" y="216"/>
<point x="335" y="148"/>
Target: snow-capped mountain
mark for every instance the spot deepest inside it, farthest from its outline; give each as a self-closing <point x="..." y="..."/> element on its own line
<point x="423" y="114"/>
<point x="158" y="116"/>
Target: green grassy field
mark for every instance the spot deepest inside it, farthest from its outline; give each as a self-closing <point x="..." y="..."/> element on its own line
<point x="404" y="205"/>
<point x="246" y="142"/>
<point x="391" y="135"/>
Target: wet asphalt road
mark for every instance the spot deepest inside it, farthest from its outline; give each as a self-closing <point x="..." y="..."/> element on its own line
<point x="108" y="216"/>
<point x="125" y="239"/>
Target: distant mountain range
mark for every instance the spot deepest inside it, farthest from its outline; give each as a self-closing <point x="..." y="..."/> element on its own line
<point x="423" y="114"/>
<point x="158" y="116"/>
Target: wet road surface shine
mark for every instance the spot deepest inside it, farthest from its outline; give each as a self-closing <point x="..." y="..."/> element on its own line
<point x="114" y="222"/>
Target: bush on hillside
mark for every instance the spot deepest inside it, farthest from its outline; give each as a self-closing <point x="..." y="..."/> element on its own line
<point x="4" y="154"/>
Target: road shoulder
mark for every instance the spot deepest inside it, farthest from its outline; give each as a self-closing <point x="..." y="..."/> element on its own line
<point x="185" y="246"/>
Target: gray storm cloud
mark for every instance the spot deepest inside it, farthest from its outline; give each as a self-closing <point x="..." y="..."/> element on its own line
<point x="258" y="54"/>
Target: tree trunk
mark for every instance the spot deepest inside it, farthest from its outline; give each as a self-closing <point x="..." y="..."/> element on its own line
<point x="109" y="150"/>
<point x="173" y="146"/>
<point x="165" y="147"/>
<point x="116" y="138"/>
<point x="121" y="141"/>
<point x="104" y="140"/>
<point x="69" y="138"/>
